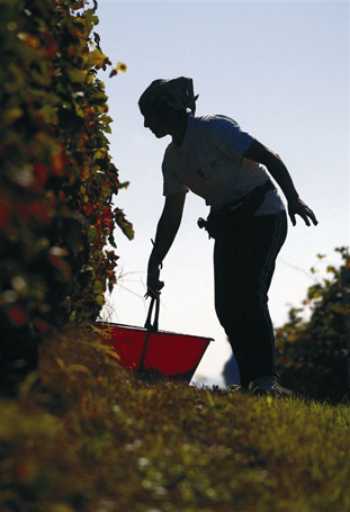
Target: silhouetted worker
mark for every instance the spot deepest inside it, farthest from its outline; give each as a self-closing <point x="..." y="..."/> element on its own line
<point x="213" y="158"/>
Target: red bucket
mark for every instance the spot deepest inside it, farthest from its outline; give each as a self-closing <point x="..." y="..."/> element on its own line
<point x="154" y="354"/>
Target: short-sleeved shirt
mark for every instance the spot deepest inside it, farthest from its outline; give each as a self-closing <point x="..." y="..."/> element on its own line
<point x="210" y="163"/>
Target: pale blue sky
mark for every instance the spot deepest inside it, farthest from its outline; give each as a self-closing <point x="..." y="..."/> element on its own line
<point x="281" y="70"/>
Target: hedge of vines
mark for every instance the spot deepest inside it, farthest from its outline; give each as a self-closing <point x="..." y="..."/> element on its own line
<point x="57" y="219"/>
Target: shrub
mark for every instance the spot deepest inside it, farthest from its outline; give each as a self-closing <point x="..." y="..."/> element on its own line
<point x="313" y="355"/>
<point x="57" y="179"/>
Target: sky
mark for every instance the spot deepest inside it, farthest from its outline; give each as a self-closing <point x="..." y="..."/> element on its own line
<point x="281" y="70"/>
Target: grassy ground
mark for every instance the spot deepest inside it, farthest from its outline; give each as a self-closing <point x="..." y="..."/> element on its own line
<point x="89" y="437"/>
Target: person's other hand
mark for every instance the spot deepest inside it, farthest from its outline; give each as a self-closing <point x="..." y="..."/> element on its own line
<point x="154" y="285"/>
<point x="298" y="207"/>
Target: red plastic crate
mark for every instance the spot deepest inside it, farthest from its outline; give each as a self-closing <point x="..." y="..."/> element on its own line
<point x="154" y="353"/>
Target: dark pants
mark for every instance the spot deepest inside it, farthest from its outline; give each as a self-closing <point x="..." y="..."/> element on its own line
<point x="244" y="262"/>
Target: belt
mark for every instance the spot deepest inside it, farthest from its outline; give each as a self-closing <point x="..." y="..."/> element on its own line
<point x="250" y="201"/>
<point x="239" y="211"/>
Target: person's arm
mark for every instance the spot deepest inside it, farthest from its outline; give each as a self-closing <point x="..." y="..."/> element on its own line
<point x="167" y="229"/>
<point x="259" y="153"/>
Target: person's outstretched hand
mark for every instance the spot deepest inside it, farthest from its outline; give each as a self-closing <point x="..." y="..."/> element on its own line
<point x="154" y="285"/>
<point x="298" y="207"/>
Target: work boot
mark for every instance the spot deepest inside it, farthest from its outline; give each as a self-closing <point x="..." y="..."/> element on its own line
<point x="268" y="385"/>
<point x="234" y="388"/>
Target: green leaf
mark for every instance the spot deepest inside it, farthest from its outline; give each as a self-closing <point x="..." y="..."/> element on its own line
<point x="77" y="76"/>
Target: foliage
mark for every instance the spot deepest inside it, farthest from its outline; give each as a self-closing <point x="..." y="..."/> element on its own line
<point x="57" y="178"/>
<point x="86" y="436"/>
<point x="313" y="355"/>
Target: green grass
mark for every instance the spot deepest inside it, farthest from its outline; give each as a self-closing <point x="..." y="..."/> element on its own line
<point x="92" y="438"/>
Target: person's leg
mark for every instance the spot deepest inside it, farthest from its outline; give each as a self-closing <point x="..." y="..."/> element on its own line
<point x="256" y="348"/>
<point x="229" y="267"/>
<point x="244" y="264"/>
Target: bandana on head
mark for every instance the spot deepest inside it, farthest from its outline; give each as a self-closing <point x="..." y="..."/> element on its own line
<point x="177" y="94"/>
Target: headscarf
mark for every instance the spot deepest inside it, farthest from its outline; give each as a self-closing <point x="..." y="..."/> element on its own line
<point x="176" y="93"/>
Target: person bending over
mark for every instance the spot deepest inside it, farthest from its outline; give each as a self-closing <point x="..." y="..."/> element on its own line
<point x="211" y="156"/>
